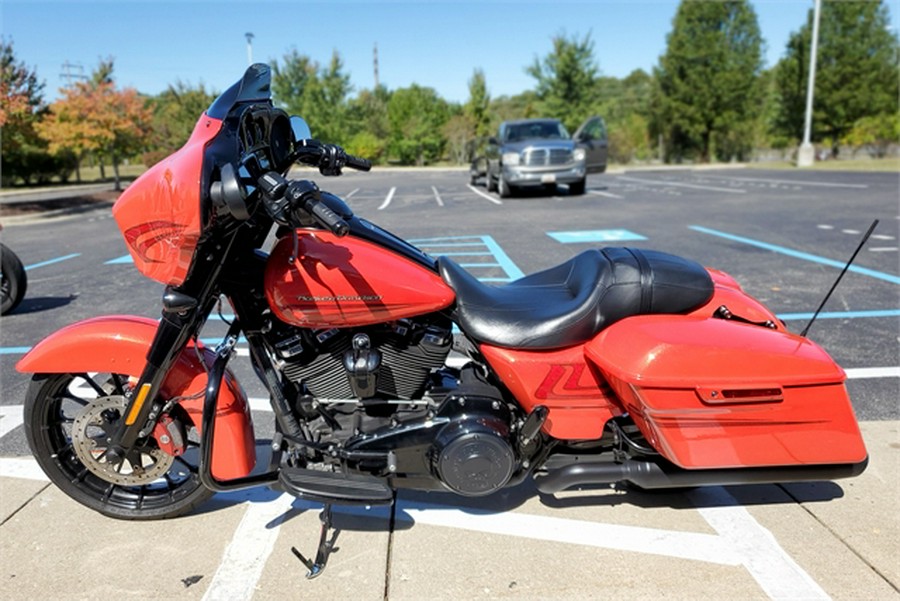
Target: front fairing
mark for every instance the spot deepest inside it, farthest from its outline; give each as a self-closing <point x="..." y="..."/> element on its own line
<point x="166" y="212"/>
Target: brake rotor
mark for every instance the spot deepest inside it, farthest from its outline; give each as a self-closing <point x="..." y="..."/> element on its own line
<point x="94" y="425"/>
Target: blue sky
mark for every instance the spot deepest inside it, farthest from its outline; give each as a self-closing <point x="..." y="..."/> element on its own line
<point x="432" y="43"/>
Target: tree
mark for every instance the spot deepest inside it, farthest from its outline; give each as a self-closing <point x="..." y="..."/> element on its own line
<point x="417" y="116"/>
<point x="856" y="71"/>
<point x="24" y="153"/>
<point x="367" y="119"/>
<point x="175" y="113"/>
<point x="707" y="80"/>
<point x="94" y="116"/>
<point x="478" y="107"/>
<point x="566" y="79"/>
<point x="318" y="94"/>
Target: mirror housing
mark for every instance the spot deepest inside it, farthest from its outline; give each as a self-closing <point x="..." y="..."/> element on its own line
<point x="300" y="128"/>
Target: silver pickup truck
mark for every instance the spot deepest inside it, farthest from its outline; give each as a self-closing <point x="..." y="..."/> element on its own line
<point x="540" y="152"/>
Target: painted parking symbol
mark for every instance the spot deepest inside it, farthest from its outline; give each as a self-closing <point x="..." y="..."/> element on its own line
<point x="616" y="235"/>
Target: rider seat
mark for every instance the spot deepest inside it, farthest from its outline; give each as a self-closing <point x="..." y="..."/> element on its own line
<point x="570" y="303"/>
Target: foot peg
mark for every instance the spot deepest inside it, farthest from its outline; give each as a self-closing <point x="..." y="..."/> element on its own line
<point x="326" y="546"/>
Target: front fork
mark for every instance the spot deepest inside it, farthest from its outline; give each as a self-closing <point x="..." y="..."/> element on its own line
<point x="182" y="317"/>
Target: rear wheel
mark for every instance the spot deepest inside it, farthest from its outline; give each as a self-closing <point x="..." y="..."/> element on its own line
<point x="68" y="419"/>
<point x="488" y="180"/>
<point x="13" y="282"/>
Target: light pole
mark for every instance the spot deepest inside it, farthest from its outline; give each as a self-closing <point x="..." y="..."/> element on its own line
<point x="806" y="156"/>
<point x="249" y="37"/>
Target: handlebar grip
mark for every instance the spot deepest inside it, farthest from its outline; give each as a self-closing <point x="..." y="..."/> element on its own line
<point x="327" y="218"/>
<point x="358" y="163"/>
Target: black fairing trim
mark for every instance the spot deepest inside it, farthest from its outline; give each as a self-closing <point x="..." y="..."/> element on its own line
<point x="570" y="303"/>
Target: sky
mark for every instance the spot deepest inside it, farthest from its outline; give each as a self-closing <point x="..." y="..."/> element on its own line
<point x="437" y="44"/>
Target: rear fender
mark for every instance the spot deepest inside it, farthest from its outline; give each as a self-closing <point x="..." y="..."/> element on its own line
<point x="119" y="344"/>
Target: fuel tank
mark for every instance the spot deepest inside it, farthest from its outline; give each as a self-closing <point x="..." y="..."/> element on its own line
<point x="332" y="282"/>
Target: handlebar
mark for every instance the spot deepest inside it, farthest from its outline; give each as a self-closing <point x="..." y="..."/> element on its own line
<point x="329" y="158"/>
<point x="284" y="198"/>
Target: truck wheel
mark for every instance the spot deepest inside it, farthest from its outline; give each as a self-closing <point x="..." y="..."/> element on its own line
<point x="577" y="188"/>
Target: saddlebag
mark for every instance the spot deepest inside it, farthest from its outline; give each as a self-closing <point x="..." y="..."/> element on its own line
<point x="716" y="393"/>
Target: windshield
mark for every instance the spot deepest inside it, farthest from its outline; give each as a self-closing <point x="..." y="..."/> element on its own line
<point x="535" y="130"/>
<point x="256" y="84"/>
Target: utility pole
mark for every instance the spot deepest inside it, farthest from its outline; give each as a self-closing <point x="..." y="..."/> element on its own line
<point x="249" y="37"/>
<point x="69" y="75"/>
<point x="375" y="57"/>
<point x="806" y="155"/>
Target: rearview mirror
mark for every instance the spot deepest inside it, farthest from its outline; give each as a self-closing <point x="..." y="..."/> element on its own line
<point x="300" y="128"/>
<point x="493" y="141"/>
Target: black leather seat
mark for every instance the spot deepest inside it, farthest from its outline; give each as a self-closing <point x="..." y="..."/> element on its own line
<point x="568" y="304"/>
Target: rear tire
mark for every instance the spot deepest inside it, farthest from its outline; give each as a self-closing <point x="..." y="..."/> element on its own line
<point x="56" y="403"/>
<point x="489" y="184"/>
<point x="14" y="282"/>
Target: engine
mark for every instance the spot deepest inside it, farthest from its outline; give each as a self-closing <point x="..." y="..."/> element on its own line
<point x="391" y="361"/>
<point x="383" y="397"/>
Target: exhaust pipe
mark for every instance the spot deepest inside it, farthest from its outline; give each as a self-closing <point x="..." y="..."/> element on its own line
<point x="662" y="474"/>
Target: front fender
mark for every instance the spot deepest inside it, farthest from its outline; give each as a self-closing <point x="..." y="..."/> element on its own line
<point x="119" y="344"/>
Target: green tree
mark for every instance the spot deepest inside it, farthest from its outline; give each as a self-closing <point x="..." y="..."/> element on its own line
<point x="24" y="154"/>
<point x="478" y="106"/>
<point x="707" y="80"/>
<point x="318" y="94"/>
<point x="175" y="113"/>
<point x="417" y="116"/>
<point x="566" y="79"/>
<point x="367" y="119"/>
<point x="856" y="71"/>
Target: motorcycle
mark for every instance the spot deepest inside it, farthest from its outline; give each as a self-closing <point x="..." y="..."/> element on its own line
<point x="618" y="365"/>
<point x="13" y="280"/>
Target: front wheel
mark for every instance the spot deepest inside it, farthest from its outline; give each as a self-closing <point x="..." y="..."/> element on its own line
<point x="577" y="188"/>
<point x="68" y="418"/>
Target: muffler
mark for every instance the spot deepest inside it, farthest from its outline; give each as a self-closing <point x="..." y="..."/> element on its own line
<point x="660" y="473"/>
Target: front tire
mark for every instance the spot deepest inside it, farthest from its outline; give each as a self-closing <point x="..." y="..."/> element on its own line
<point x="13" y="282"/>
<point x="66" y="419"/>
<point x="577" y="188"/>
<point x="503" y="187"/>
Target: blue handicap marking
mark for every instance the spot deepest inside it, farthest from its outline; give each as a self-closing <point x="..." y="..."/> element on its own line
<point x="595" y="236"/>
<point x="120" y="260"/>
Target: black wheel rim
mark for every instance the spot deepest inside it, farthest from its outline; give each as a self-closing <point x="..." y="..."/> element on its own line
<point x="62" y="399"/>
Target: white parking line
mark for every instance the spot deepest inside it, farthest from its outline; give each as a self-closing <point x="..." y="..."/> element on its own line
<point x="496" y="201"/>
<point x="769" y="564"/>
<point x="658" y="182"/>
<point x="352" y="193"/>
<point x="882" y="249"/>
<point x="785" y="181"/>
<point x="387" y="200"/>
<point x="872" y="372"/>
<point x="10" y="418"/>
<point x="606" y="194"/>
<point x="437" y="197"/>
<point x="246" y="555"/>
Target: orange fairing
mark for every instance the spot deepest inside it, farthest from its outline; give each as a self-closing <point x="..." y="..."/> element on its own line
<point x="334" y="283"/>
<point x="159" y="214"/>
<point x="119" y="344"/>
<point x="712" y="393"/>
<point x="580" y="403"/>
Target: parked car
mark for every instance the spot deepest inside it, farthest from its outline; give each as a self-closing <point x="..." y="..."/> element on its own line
<point x="540" y="152"/>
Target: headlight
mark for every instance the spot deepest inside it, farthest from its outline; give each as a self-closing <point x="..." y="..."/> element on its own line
<point x="510" y="158"/>
<point x="578" y="155"/>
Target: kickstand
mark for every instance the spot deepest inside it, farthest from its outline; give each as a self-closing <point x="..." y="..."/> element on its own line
<point x="326" y="546"/>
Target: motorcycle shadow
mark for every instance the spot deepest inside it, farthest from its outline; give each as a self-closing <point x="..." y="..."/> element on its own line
<point x="42" y="303"/>
<point x="410" y="504"/>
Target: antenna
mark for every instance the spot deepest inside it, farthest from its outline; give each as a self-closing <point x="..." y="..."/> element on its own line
<point x="838" y="280"/>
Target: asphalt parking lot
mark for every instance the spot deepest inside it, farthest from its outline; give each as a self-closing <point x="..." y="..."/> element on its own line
<point x="783" y="235"/>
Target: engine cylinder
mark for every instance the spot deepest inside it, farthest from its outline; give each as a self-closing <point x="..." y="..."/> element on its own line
<point x="473" y="457"/>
